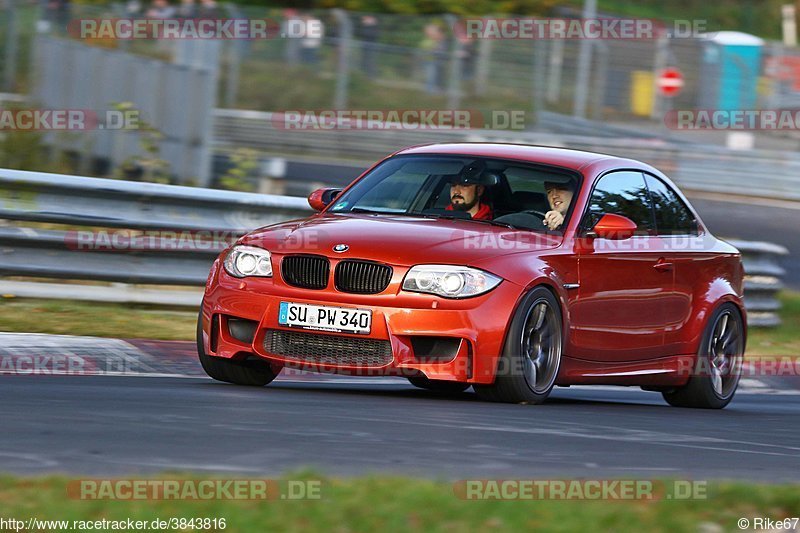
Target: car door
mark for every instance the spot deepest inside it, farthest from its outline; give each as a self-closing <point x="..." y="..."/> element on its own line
<point x="677" y="228"/>
<point x="619" y="314"/>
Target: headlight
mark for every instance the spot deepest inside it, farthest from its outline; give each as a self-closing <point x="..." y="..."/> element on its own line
<point x="449" y="281"/>
<point x="243" y="261"/>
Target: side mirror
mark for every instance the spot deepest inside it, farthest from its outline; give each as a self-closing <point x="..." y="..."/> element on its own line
<point x="319" y="199"/>
<point x="613" y="227"/>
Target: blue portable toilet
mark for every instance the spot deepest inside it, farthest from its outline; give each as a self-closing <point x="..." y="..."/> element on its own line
<point x="731" y="66"/>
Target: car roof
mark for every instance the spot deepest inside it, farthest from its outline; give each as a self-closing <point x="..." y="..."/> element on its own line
<point x="561" y="157"/>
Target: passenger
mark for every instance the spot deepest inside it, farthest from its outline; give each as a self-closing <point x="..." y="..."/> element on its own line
<point x="559" y="196"/>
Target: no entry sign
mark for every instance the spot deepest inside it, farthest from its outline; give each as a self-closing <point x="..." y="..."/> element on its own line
<point x="670" y="81"/>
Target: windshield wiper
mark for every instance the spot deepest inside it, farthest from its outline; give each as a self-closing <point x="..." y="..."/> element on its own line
<point x="494" y="223"/>
<point x="366" y="211"/>
<point x="393" y="213"/>
<point x="455" y="217"/>
<point x="443" y="216"/>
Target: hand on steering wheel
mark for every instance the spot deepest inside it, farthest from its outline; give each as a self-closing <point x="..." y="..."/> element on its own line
<point x="543" y="216"/>
<point x="553" y="219"/>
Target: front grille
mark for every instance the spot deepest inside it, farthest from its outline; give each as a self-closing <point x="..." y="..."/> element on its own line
<point x="306" y="271"/>
<point x="362" y="277"/>
<point x="328" y="349"/>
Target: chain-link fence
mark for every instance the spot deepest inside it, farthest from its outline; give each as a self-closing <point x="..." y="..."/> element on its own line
<point x="379" y="61"/>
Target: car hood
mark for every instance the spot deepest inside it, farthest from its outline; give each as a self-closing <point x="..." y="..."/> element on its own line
<point x="398" y="240"/>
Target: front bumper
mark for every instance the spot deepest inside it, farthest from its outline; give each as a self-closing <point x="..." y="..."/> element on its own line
<point x="479" y="324"/>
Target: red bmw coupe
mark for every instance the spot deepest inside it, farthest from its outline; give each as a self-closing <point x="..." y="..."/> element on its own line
<point x="507" y="268"/>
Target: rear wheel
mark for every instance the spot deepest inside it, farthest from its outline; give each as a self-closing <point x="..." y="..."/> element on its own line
<point x="438" y="385"/>
<point x="719" y="363"/>
<point x="252" y="373"/>
<point x="528" y="368"/>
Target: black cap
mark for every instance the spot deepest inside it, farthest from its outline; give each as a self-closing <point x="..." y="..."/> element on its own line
<point x="465" y="179"/>
<point x="471" y="174"/>
<point x="559" y="184"/>
<point x="475" y="173"/>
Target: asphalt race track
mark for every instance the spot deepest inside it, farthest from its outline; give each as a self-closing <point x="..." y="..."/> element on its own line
<point x="127" y="424"/>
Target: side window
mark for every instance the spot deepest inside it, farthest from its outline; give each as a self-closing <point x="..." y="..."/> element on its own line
<point x="621" y="193"/>
<point x="672" y="215"/>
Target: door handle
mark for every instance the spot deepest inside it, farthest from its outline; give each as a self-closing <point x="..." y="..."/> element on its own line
<point x="663" y="266"/>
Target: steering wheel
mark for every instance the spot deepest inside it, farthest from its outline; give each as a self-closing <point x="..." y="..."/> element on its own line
<point x="541" y="215"/>
<point x="536" y="212"/>
<point x="520" y="218"/>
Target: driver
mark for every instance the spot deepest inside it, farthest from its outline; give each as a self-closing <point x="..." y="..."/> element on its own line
<point x="559" y="196"/>
<point x="465" y="195"/>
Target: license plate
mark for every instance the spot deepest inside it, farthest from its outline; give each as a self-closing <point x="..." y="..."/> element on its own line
<point x="325" y="318"/>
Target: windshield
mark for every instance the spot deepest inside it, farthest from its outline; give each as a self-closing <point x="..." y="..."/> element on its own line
<point x="508" y="193"/>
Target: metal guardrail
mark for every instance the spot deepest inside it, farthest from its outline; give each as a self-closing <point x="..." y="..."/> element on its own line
<point x="102" y="203"/>
<point x="762" y="281"/>
<point x="163" y="260"/>
<point x="57" y="254"/>
<point x="63" y="199"/>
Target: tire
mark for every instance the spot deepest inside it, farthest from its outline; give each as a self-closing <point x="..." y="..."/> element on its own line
<point x="250" y="373"/>
<point x="531" y="358"/>
<point x="719" y="363"/>
<point x="439" y="385"/>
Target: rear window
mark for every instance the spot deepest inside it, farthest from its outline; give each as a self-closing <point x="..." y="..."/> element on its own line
<point x="673" y="217"/>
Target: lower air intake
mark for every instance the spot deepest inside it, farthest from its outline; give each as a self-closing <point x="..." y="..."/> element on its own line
<point x="328" y="349"/>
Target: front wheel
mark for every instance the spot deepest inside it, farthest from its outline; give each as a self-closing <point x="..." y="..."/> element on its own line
<point x="251" y="373"/>
<point x="531" y="357"/>
<point x="719" y="363"/>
